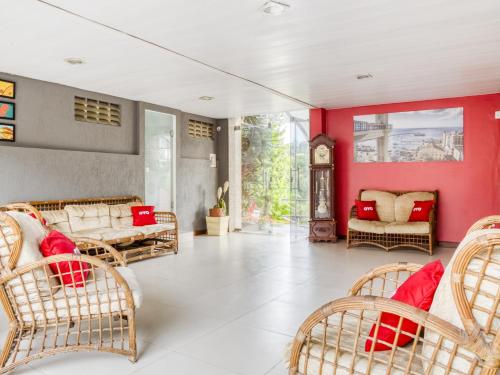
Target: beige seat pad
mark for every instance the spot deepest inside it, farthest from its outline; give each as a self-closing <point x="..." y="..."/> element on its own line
<point x="148" y="230"/>
<point x="418" y="227"/>
<point x="370" y="226"/>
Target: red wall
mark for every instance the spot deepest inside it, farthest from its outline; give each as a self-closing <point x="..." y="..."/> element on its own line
<point x="468" y="190"/>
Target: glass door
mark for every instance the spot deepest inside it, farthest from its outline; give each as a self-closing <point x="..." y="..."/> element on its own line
<point x="160" y="160"/>
<point x="299" y="173"/>
<point x="275" y="173"/>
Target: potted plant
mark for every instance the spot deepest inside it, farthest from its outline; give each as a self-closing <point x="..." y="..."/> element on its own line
<point x="217" y="220"/>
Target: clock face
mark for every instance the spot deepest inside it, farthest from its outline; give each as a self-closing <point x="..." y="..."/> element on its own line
<point x="321" y="155"/>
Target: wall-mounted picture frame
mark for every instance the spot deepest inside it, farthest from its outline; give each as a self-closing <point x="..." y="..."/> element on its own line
<point x="413" y="136"/>
<point x="7" y="89"/>
<point x="7" y="110"/>
<point x="7" y="133"/>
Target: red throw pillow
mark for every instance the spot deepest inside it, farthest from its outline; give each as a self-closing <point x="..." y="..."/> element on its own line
<point x="143" y="215"/>
<point x="421" y="210"/>
<point x="366" y="210"/>
<point x="57" y="243"/>
<point x="418" y="291"/>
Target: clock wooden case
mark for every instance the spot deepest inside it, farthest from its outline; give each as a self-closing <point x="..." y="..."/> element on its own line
<point x="322" y="225"/>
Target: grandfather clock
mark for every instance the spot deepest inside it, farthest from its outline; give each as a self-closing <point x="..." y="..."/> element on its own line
<point x="322" y="226"/>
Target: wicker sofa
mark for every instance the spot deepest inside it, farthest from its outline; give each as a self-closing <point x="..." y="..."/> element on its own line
<point x="459" y="335"/>
<point x="47" y="317"/>
<point x="109" y="220"/>
<point x="393" y="230"/>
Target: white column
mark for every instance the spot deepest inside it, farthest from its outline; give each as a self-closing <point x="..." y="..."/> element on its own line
<point x="234" y="156"/>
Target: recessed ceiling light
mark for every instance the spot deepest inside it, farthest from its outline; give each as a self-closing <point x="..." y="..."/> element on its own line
<point x="206" y="98"/>
<point x="74" y="61"/>
<point x="274" y="8"/>
<point x="364" y="76"/>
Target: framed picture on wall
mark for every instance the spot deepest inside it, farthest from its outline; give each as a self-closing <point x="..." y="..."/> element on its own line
<point x="414" y="136"/>
<point x="7" y="89"/>
<point x="7" y="133"/>
<point x="7" y="111"/>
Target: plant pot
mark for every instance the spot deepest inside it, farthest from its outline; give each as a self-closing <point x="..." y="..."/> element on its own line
<point x="217" y="226"/>
<point x="216" y="212"/>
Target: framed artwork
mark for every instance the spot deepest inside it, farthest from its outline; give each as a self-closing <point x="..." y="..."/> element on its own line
<point x="7" y="89"/>
<point x="7" y="133"/>
<point x="7" y="111"/>
<point x="415" y="136"/>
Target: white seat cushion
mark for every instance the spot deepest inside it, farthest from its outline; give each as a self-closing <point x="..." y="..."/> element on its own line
<point x="417" y="227"/>
<point x="385" y="203"/>
<point x="403" y="205"/>
<point x="155" y="228"/>
<point x="92" y="216"/>
<point x="370" y="226"/>
<point x="101" y="295"/>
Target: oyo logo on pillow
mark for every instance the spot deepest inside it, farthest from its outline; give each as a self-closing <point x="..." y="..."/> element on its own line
<point x="143" y="212"/>
<point x="367" y="208"/>
<point x="417" y="209"/>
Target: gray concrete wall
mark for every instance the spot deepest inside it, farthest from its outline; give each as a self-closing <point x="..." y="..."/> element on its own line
<point x="45" y="119"/>
<point x="42" y="174"/>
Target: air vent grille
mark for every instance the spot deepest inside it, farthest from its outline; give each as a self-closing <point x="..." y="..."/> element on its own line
<point x="200" y="129"/>
<point x="97" y="112"/>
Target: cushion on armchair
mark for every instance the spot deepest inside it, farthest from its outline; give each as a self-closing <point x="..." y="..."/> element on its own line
<point x="143" y="215"/>
<point x="418" y="291"/>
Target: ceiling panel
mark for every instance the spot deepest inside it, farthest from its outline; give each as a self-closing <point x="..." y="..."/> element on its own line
<point x="313" y="52"/>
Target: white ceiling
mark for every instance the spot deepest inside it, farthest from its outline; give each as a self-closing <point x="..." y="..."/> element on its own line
<point x="414" y="49"/>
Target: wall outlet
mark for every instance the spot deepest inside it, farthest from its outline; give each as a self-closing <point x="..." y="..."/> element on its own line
<point x="213" y="160"/>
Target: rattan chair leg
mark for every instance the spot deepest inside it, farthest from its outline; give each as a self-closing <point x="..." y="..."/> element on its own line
<point x="11" y="335"/>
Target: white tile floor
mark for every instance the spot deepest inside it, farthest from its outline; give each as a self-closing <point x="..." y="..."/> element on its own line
<point x="229" y="305"/>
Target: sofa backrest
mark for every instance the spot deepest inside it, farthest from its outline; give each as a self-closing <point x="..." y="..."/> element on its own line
<point x="403" y="204"/>
<point x="385" y="203"/>
<point x="88" y="217"/>
<point x="60" y="204"/>
<point x="395" y="205"/>
<point x="121" y="214"/>
<point x="57" y="220"/>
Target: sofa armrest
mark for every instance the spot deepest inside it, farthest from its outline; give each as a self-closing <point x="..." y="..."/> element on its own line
<point x="384" y="280"/>
<point x="163" y="217"/>
<point x="332" y="339"/>
<point x="353" y="214"/>
<point x="99" y="249"/>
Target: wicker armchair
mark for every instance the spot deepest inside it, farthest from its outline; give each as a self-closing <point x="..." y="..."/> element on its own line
<point x="331" y="340"/>
<point x="47" y="317"/>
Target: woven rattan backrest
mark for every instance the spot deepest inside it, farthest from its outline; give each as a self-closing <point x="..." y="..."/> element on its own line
<point x="60" y="204"/>
<point x="11" y="241"/>
<point x="476" y="285"/>
<point x="485" y="223"/>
